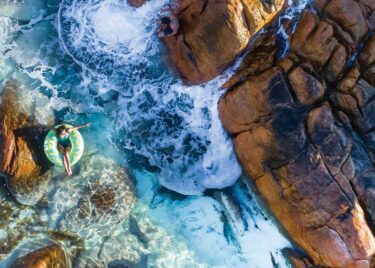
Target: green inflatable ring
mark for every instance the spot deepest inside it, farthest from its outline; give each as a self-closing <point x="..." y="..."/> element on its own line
<point x="52" y="152"/>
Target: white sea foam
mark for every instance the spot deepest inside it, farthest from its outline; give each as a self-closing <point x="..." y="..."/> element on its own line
<point x="291" y="13"/>
<point x="123" y="28"/>
<point x="232" y="224"/>
<point x="22" y="10"/>
<point x="175" y="126"/>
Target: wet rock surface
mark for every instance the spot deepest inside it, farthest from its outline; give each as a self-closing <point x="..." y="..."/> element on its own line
<point x="79" y="212"/>
<point x="213" y="33"/>
<point x="136" y="3"/>
<point x="14" y="224"/>
<point x="52" y="256"/>
<point x="303" y="130"/>
<point x="105" y="197"/>
<point x="22" y="126"/>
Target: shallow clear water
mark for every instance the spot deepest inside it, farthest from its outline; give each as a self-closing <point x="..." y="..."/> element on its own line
<point x="101" y="62"/>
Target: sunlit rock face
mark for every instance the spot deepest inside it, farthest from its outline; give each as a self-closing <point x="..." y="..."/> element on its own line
<point x="22" y="125"/>
<point x="212" y="33"/>
<point x="303" y="129"/>
<point x="52" y="256"/>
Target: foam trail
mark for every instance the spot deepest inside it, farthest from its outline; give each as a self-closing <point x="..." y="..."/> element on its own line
<point x="174" y="126"/>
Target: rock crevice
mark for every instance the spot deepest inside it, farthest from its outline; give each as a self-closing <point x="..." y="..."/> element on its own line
<point x="214" y="32"/>
<point x="313" y="159"/>
<point x="22" y="128"/>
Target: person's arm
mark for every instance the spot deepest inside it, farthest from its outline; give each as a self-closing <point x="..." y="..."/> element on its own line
<point x="175" y="25"/>
<point x="78" y="127"/>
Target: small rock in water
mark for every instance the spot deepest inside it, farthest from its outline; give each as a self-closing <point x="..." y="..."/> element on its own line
<point x="29" y="190"/>
<point x="136" y="3"/>
<point x="15" y="223"/>
<point x="52" y="256"/>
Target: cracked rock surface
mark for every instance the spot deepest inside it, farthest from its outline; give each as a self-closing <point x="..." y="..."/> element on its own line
<point x="303" y="127"/>
<point x="213" y="32"/>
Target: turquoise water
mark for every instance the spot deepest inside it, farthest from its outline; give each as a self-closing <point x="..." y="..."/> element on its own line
<point x="101" y="62"/>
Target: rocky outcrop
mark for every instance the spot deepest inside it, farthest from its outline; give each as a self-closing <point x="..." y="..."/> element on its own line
<point x="22" y="157"/>
<point x="136" y="3"/>
<point x="214" y="32"/>
<point x="52" y="256"/>
<point x="303" y="129"/>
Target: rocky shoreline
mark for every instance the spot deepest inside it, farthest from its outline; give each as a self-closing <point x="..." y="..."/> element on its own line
<point x="303" y="123"/>
<point x="213" y="33"/>
<point x="22" y="128"/>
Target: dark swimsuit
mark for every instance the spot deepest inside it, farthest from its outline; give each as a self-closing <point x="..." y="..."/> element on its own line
<point x="168" y="30"/>
<point x="64" y="142"/>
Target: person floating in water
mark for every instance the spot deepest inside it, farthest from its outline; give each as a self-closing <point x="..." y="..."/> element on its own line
<point x="64" y="144"/>
<point x="169" y="25"/>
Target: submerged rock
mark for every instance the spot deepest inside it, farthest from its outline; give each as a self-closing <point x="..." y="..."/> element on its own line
<point x="213" y="33"/>
<point x="15" y="223"/>
<point x="22" y="157"/>
<point x="105" y="196"/>
<point x="29" y="190"/>
<point x="142" y="242"/>
<point x="92" y="203"/>
<point x="52" y="256"/>
<point x="303" y="130"/>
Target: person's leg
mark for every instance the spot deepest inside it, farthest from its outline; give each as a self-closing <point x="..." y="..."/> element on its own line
<point x="67" y="151"/>
<point x="62" y="151"/>
<point x="66" y="166"/>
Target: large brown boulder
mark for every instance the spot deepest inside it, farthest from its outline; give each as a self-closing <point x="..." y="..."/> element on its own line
<point x="307" y="88"/>
<point x="347" y="15"/>
<point x="22" y="157"/>
<point x="214" y="32"/>
<point x="314" y="40"/>
<point x="304" y="132"/>
<point x="52" y="256"/>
